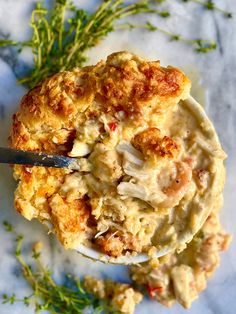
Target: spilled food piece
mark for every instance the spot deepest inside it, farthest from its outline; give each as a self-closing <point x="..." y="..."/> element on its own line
<point x="152" y="163"/>
<point x="121" y="297"/>
<point x="181" y="277"/>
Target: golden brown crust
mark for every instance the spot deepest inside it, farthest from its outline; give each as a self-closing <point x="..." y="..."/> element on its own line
<point x="127" y="83"/>
<point x="47" y="113"/>
<point x="37" y="185"/>
<point x="150" y="142"/>
<point x="123" y="83"/>
<point x="69" y="218"/>
<point x="51" y="113"/>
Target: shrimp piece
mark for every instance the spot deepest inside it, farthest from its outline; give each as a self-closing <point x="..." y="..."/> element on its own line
<point x="179" y="186"/>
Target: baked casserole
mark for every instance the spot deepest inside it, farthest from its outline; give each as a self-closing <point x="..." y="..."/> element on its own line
<point x="151" y="167"/>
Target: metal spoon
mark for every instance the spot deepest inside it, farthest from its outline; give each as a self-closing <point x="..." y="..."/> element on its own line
<point x="20" y="157"/>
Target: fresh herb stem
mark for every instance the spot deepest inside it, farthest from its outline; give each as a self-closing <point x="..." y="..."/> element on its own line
<point x="6" y="42"/>
<point x="47" y="294"/>
<point x="199" y="45"/>
<point x="210" y="5"/>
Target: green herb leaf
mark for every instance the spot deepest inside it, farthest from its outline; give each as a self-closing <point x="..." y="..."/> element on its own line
<point x="204" y="46"/>
<point x="9" y="298"/>
<point x="8" y="227"/>
<point x="210" y="5"/>
<point x="6" y="42"/>
<point x="175" y="37"/>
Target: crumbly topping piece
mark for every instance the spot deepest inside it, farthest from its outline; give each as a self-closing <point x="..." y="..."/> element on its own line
<point x="121" y="297"/>
<point x="150" y="142"/>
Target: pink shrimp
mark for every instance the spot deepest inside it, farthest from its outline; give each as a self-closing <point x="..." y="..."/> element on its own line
<point x="179" y="186"/>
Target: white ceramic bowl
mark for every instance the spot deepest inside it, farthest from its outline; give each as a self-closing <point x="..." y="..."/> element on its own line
<point x="192" y="105"/>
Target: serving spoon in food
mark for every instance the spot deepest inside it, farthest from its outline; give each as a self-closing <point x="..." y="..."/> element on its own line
<point x="20" y="157"/>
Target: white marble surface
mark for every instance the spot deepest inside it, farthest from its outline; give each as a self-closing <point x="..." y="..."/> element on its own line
<point x="218" y="74"/>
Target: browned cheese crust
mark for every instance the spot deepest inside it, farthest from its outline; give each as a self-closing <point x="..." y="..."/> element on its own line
<point x="50" y="114"/>
<point x="150" y="142"/>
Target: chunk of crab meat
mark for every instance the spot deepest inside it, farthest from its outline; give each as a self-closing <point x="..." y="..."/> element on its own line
<point x="79" y="149"/>
<point x="134" y="190"/>
<point x="132" y="161"/>
<point x="135" y="171"/>
<point x="130" y="153"/>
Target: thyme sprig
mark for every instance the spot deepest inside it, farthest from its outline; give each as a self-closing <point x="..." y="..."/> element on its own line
<point x="199" y="45"/>
<point x="7" y="42"/>
<point x="60" y="43"/>
<point x="47" y="295"/>
<point x="210" y="5"/>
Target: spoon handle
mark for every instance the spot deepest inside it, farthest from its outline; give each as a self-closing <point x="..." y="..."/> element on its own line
<point x="20" y="157"/>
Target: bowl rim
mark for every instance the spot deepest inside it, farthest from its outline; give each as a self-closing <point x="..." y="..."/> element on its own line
<point x="94" y="254"/>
